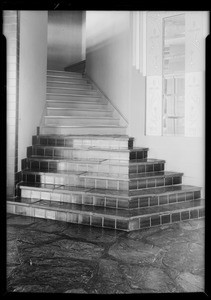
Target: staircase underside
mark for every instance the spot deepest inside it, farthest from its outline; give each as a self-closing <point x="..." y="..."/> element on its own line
<point x="82" y="167"/>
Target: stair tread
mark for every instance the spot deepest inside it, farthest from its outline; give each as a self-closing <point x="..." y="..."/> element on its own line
<point x="130" y="177"/>
<point x="91" y="160"/>
<point x="79" y="109"/>
<point x="95" y="175"/>
<point x="70" y="88"/>
<point x="113" y="193"/>
<point x="75" y="95"/>
<point x="155" y="174"/>
<point x="164" y="190"/>
<point x="64" y="72"/>
<point x="75" y="101"/>
<point x="63" y="172"/>
<point x="81" y="117"/>
<point x="83" y="126"/>
<point x="135" y="149"/>
<point x="67" y="82"/>
<point x="61" y="78"/>
<point x="88" y="136"/>
<point x="81" y="161"/>
<point x="146" y="160"/>
<point x="113" y="212"/>
<point x="106" y="176"/>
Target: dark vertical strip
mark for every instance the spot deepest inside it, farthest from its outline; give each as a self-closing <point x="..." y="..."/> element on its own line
<point x="207" y="148"/>
<point x="3" y="49"/>
<point x="17" y="97"/>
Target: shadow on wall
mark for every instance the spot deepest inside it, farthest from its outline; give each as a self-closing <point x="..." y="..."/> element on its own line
<point x="108" y="65"/>
<point x="64" y="38"/>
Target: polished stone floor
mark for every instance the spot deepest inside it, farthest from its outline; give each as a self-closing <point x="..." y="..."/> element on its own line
<point x="48" y="256"/>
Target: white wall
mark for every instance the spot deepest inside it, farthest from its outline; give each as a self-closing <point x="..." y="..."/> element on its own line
<point x="10" y="31"/>
<point x="108" y="54"/>
<point x="109" y="64"/>
<point x="182" y="154"/>
<point x="64" y="38"/>
<point x="32" y="76"/>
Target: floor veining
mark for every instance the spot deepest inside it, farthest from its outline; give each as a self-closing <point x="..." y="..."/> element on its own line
<point x="46" y="256"/>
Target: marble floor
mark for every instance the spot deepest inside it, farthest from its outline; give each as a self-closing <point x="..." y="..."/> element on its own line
<point x="45" y="256"/>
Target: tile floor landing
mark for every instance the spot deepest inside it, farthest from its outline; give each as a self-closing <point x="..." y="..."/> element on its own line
<point x="45" y="256"/>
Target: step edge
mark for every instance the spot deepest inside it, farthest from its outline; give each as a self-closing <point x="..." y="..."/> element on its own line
<point x="81" y="117"/>
<point x="113" y="216"/>
<point x="90" y="148"/>
<point x="92" y="191"/>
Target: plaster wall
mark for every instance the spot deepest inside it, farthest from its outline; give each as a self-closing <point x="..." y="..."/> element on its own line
<point x="65" y="38"/>
<point x="108" y="55"/>
<point x="109" y="64"/>
<point x="32" y="76"/>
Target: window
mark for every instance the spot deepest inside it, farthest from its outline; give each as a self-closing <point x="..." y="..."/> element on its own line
<point x="173" y="112"/>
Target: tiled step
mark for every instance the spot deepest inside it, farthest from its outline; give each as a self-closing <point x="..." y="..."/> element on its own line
<point x="72" y="91"/>
<point x="123" y="182"/>
<point x="60" y="78"/>
<point x="75" y="97"/>
<point x="64" y="74"/>
<point x="68" y="84"/>
<point x="88" y="165"/>
<point x="146" y="165"/>
<point x="71" y="104"/>
<point x="100" y="180"/>
<point x="80" y="120"/>
<point x="107" y="217"/>
<point x="86" y="153"/>
<point x="100" y="141"/>
<point x="160" y="196"/>
<point x="68" y="178"/>
<point x="83" y="130"/>
<point x="94" y="112"/>
<point x="76" y="179"/>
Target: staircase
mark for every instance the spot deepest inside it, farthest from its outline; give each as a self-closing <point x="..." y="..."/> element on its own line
<point x="82" y="167"/>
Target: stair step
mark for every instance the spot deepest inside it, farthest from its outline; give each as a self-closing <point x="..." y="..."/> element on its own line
<point x="64" y="73"/>
<point x="83" y="129"/>
<point x="80" y="120"/>
<point x="133" y="177"/>
<point x="92" y="164"/>
<point x="59" y="111"/>
<point x="75" y="97"/>
<point x="99" y="141"/>
<point x="85" y="153"/>
<point x="85" y="165"/>
<point x="146" y="165"/>
<point x="73" y="80"/>
<point x="68" y="84"/>
<point x="122" y="182"/>
<point x="108" y="217"/>
<point x="72" y="91"/>
<point x="112" y="198"/>
<point x="100" y="180"/>
<point x="76" y="104"/>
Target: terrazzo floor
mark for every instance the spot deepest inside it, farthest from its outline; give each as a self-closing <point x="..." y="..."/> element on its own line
<point x="45" y="256"/>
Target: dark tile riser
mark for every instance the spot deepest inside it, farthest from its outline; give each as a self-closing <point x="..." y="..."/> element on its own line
<point x="115" y="223"/>
<point x="50" y="141"/>
<point x="127" y="203"/>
